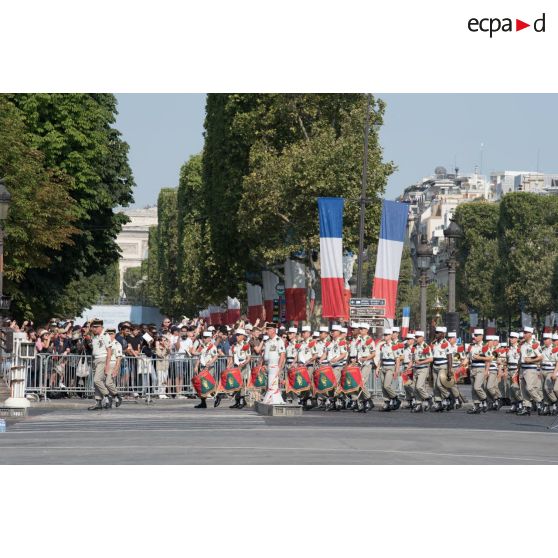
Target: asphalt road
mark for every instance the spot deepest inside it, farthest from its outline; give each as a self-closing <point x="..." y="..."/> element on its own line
<point x="172" y="432"/>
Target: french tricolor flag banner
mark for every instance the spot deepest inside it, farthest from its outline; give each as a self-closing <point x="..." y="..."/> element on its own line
<point x="295" y="290"/>
<point x="233" y="310"/>
<point x="405" y="321"/>
<point x="390" y="248"/>
<point x="255" y="302"/>
<point x="270" y="282"/>
<point x="330" y="212"/>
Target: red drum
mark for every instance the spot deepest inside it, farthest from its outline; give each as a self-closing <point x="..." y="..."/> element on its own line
<point x="407" y="377"/>
<point x="298" y="380"/>
<point x="351" y="379"/>
<point x="204" y="383"/>
<point x="231" y="380"/>
<point x="258" y="377"/>
<point x="324" y="379"/>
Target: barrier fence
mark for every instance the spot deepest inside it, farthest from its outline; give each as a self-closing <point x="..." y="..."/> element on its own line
<point x="72" y="375"/>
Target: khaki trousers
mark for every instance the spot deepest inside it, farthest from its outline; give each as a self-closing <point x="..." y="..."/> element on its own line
<point x="514" y="389"/>
<point x="420" y="377"/>
<point x="440" y="392"/>
<point x="550" y="386"/>
<point x="492" y="386"/>
<point x="386" y="376"/>
<point x="104" y="383"/>
<point x="455" y="389"/>
<point x="477" y="379"/>
<point x="531" y="386"/>
<point x="365" y="372"/>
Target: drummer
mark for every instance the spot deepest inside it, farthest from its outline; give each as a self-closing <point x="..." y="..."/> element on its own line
<point x="336" y="355"/>
<point x="305" y="357"/>
<point x="208" y="357"/>
<point x="239" y="357"/>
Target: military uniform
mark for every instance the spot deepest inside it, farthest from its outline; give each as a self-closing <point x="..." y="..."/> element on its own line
<point x="273" y="349"/>
<point x="512" y="375"/>
<point x="457" y="353"/>
<point x="241" y="354"/>
<point x="548" y="366"/>
<point x="492" y="388"/>
<point x="477" y="369"/>
<point x="421" y="352"/>
<point x="530" y="381"/>
<point x="409" y="382"/>
<point x="105" y="389"/>
<point x="440" y="366"/>
<point x="365" y="349"/>
<point x="388" y="359"/>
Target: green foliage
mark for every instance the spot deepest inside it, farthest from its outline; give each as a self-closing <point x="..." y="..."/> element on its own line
<point x="479" y="263"/>
<point x="72" y="139"/>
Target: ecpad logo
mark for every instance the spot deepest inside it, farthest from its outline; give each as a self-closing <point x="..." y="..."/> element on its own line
<point x="492" y="25"/>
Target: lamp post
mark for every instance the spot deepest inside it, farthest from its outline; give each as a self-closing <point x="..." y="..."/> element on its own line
<point x="453" y="234"/>
<point x="424" y="257"/>
<point x="5" y="199"/>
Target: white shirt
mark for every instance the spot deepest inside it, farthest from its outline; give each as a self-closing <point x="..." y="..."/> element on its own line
<point x="116" y="350"/>
<point x="101" y="343"/>
<point x="273" y="349"/>
<point x="185" y="346"/>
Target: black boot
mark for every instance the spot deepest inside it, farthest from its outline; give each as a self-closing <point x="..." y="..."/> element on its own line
<point x="417" y="408"/>
<point x="437" y="407"/>
<point x="387" y="407"/>
<point x="236" y="404"/>
<point x="512" y="409"/>
<point x="98" y="406"/>
<point x="242" y="402"/>
<point x="202" y="405"/>
<point x="118" y="400"/>
<point x="108" y="402"/>
<point x="429" y="404"/>
<point x="475" y="410"/>
<point x="524" y="411"/>
<point x="497" y="404"/>
<point x="217" y="400"/>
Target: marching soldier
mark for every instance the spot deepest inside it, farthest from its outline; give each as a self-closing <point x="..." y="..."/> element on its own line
<point x="321" y="343"/>
<point x="336" y="355"/>
<point x="477" y="363"/>
<point x="494" y="401"/>
<point x="274" y="359"/>
<point x="239" y="356"/>
<point x="531" y="389"/>
<point x="306" y="357"/>
<point x="421" y="367"/>
<point x="366" y="351"/>
<point x="549" y="368"/>
<point x="208" y="356"/>
<point x="389" y="369"/>
<point x="440" y="348"/>
<point x="105" y="390"/>
<point x="457" y="353"/>
<point x="407" y="375"/>
<point x="512" y="380"/>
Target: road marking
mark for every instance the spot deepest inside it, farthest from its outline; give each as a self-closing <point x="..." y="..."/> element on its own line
<point x="276" y="449"/>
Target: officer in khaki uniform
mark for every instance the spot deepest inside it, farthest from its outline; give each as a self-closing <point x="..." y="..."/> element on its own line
<point x="105" y="390"/>
<point x="477" y="365"/>
<point x="512" y="360"/>
<point x="115" y="359"/>
<point x="530" y="380"/>
<point x="549" y="367"/>
<point x="336" y="355"/>
<point x="208" y="355"/>
<point x="422" y="357"/>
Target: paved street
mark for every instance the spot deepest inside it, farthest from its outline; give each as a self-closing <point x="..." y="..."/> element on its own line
<point x="173" y="432"/>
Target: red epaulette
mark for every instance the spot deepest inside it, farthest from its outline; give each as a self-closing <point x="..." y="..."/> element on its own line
<point x="311" y="344"/>
<point x="210" y="346"/>
<point x="369" y="341"/>
<point x="555" y="350"/>
<point x="535" y="345"/>
<point x="485" y="348"/>
<point x="426" y="350"/>
<point x="460" y="349"/>
<point x="413" y="350"/>
<point x="297" y="346"/>
<point x="342" y="344"/>
<point x="399" y="346"/>
<point x="328" y="343"/>
<point x="246" y="347"/>
<point x="444" y="345"/>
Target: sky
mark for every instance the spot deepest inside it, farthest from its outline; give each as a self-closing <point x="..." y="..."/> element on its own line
<point x="420" y="132"/>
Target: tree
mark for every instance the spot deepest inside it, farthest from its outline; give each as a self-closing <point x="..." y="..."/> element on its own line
<point x="42" y="219"/>
<point x="528" y="248"/>
<point x="74" y="134"/>
<point x="478" y="258"/>
<point x="278" y="207"/>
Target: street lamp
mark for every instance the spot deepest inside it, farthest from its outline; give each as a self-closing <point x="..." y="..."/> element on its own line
<point x="5" y="199"/>
<point x="424" y="257"/>
<point x="453" y="234"/>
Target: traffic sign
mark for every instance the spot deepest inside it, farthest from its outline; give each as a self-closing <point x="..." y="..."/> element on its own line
<point x="364" y="311"/>
<point x="374" y="322"/>
<point x="367" y="302"/>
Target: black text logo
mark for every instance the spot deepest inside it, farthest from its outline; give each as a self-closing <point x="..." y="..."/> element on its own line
<point x="493" y="25"/>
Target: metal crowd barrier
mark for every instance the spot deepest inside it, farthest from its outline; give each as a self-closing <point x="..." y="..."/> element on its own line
<point x="51" y="376"/>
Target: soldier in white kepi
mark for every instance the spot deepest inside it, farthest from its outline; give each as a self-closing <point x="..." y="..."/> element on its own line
<point x="274" y="358"/>
<point x="531" y="387"/>
<point x="512" y="361"/>
<point x="549" y="368"/>
<point x="103" y="381"/>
